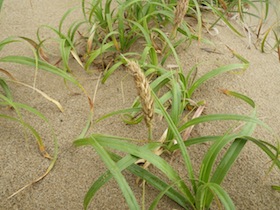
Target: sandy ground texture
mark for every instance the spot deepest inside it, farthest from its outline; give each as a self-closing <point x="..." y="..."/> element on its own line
<point x="76" y="168"/>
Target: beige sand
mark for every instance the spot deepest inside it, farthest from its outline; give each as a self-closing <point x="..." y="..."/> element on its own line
<point x="76" y="168"/>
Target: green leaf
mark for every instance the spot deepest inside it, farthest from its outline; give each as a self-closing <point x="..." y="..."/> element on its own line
<point x="240" y="96"/>
<point x="103" y="179"/>
<point x="175" y="108"/>
<point x="229" y="157"/>
<point x="161" y="81"/>
<point x="158" y="198"/>
<point x="42" y="65"/>
<point x="65" y="53"/>
<point x="110" y="71"/>
<point x="156" y="182"/>
<point x="214" y="73"/>
<point x="116" y="172"/>
<point x="126" y="163"/>
<point x="217" y="117"/>
<point x="274" y="187"/>
<point x="122" y="111"/>
<point x="170" y="45"/>
<point x="63" y="18"/>
<point x="183" y="150"/>
<point x="213" y="189"/>
<point x="264" y="146"/>
<point x="221" y="16"/>
<point x="7" y="40"/>
<point x="6" y="88"/>
<point x="141" y="152"/>
<point x="198" y="140"/>
<point x="227" y="160"/>
<point x="1" y="3"/>
<point x="222" y="195"/>
<point x="97" y="53"/>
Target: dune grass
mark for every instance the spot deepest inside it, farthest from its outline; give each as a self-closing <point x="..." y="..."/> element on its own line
<point x="15" y="108"/>
<point x="149" y="32"/>
<point x="208" y="184"/>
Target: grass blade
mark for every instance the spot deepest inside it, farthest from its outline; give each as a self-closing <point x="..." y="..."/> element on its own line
<point x="222" y="195"/>
<point x="34" y="133"/>
<point x="6" y="89"/>
<point x="1" y="3"/>
<point x="63" y="19"/>
<point x="144" y="153"/>
<point x="155" y="182"/>
<point x="175" y="108"/>
<point x="7" y="40"/>
<point x="59" y="106"/>
<point x="215" y="117"/>
<point x="158" y="198"/>
<point x="224" y="19"/>
<point x="214" y="73"/>
<point x="240" y="96"/>
<point x="183" y="150"/>
<point x="110" y="71"/>
<point x="171" y="46"/>
<point x="65" y="50"/>
<point x="274" y="187"/>
<point x="126" y="163"/>
<point x="215" y="149"/>
<point x="97" y="53"/>
<point x="50" y="167"/>
<point x="42" y="65"/>
<point x="103" y="179"/>
<point x="263" y="146"/>
<point x="227" y="160"/>
<point x="116" y="172"/>
<point x="198" y="140"/>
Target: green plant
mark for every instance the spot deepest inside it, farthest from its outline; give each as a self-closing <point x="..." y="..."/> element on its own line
<point x="15" y="108"/>
<point x="273" y="31"/>
<point x="203" y="187"/>
<point x="180" y="88"/>
<point x="1" y="3"/>
<point x="112" y="36"/>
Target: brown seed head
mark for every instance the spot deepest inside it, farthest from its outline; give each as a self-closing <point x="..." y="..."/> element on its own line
<point x="180" y="12"/>
<point x="144" y="91"/>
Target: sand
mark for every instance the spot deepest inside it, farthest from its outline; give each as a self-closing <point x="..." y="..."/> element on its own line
<point x="64" y="187"/>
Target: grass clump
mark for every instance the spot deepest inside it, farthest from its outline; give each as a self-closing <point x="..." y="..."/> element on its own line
<point x="199" y="191"/>
<point x="14" y="108"/>
<point x="150" y="32"/>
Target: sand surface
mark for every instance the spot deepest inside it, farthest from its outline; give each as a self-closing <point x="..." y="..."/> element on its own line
<point x="76" y="168"/>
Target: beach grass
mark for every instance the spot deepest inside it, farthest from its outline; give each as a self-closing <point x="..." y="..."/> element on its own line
<point x="140" y="36"/>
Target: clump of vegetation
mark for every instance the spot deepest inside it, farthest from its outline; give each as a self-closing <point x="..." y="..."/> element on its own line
<point x="115" y="30"/>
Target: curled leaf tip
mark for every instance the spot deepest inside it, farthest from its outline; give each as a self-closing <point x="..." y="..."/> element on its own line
<point x="225" y="91"/>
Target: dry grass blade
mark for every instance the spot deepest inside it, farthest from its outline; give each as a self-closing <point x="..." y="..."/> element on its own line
<point x="37" y="47"/>
<point x="223" y="4"/>
<point x="8" y="74"/>
<point x="188" y="131"/>
<point x="77" y="58"/>
<point x="50" y="167"/>
<point x="180" y="12"/>
<point x="158" y="151"/>
<point x="90" y="39"/>
<point x="144" y="92"/>
<point x="41" y="177"/>
<point x="59" y="106"/>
